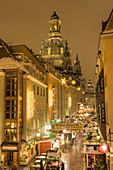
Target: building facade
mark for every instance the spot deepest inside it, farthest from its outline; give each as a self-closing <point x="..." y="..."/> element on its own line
<point x="24" y="101"/>
<point x="35" y="90"/>
<point x="90" y="97"/>
<point x="55" y="55"/>
<point x="104" y="88"/>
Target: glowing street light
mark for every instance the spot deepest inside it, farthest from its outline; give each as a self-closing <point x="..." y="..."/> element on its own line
<point x="63" y="81"/>
<point x="98" y="137"/>
<point x="78" y="88"/>
<point x="38" y="134"/>
<point x="64" y="131"/>
<point x="73" y="82"/>
<point x="83" y="92"/>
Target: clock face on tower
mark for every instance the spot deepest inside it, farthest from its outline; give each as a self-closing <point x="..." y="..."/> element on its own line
<point x="70" y="78"/>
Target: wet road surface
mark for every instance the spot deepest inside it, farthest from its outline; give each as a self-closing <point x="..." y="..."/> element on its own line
<point x="73" y="158"/>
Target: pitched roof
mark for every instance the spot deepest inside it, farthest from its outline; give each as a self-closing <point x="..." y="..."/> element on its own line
<point x="28" y="53"/>
<point x="6" y="51"/>
<point x="108" y="24"/>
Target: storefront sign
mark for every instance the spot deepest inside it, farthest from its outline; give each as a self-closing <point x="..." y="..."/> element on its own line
<point x="69" y="126"/>
<point x="9" y="148"/>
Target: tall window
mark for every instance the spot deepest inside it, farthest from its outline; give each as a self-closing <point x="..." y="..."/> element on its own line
<point x="43" y="92"/>
<point x="40" y="91"/>
<point x="13" y="104"/>
<point x="37" y="90"/>
<point x="11" y="84"/>
<point x="10" y="109"/>
<point x="10" y="131"/>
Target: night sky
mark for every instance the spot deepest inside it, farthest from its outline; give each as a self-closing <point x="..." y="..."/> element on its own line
<point x="26" y="22"/>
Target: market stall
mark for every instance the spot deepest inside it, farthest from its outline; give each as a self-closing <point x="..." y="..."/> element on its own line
<point x="54" y="161"/>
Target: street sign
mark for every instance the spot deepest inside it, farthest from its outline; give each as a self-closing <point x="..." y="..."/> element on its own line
<point x="68" y="126"/>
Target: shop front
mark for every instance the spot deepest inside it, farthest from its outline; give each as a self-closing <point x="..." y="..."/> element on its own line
<point x="18" y="154"/>
<point x="10" y="154"/>
<point x="28" y="152"/>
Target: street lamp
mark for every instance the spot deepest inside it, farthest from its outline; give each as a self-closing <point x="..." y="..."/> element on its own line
<point x="83" y="92"/>
<point x="73" y="82"/>
<point x="63" y="81"/>
<point x="64" y="131"/>
<point x="78" y="88"/>
<point x="38" y="134"/>
<point x="98" y="137"/>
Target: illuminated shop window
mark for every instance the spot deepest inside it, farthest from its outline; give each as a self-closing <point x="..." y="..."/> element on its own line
<point x="7" y="125"/>
<point x="7" y="131"/>
<point x="13" y="138"/>
<point x="13" y="131"/>
<point x="13" y="125"/>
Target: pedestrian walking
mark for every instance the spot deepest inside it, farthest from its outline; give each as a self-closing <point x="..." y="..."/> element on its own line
<point x="41" y="165"/>
<point x="62" y="166"/>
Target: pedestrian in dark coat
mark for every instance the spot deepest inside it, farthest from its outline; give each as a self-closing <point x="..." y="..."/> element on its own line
<point x="62" y="166"/>
<point x="41" y="165"/>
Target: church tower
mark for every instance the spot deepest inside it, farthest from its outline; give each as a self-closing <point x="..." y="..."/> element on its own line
<point x="77" y="67"/>
<point x="54" y="49"/>
<point x="54" y="26"/>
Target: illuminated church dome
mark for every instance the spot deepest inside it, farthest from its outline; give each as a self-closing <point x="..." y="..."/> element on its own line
<point x="54" y="49"/>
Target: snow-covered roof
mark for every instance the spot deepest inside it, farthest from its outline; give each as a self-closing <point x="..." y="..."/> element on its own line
<point x="10" y="63"/>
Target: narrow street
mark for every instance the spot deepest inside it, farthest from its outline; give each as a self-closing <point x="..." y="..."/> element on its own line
<point x="73" y="158"/>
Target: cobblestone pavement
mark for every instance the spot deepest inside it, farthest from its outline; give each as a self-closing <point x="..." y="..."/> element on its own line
<point x="74" y="158"/>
